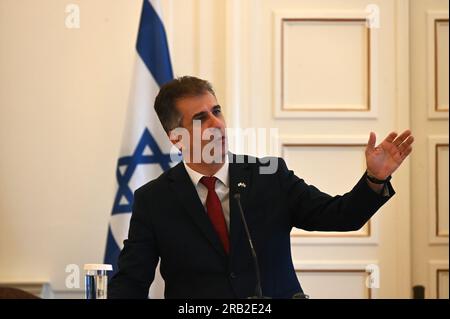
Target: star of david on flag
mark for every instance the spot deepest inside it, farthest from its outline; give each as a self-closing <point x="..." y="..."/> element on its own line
<point x="145" y="150"/>
<point x="130" y="163"/>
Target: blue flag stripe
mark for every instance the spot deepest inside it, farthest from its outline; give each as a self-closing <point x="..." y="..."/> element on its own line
<point x="152" y="45"/>
<point x="112" y="252"/>
<point x="153" y="50"/>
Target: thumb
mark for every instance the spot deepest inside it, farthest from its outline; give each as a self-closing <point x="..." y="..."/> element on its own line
<point x="371" y="142"/>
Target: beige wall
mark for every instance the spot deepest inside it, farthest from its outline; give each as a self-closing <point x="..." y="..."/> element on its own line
<point x="430" y="237"/>
<point x="63" y="96"/>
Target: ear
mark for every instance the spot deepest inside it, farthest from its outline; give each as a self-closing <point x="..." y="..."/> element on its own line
<point x="176" y="140"/>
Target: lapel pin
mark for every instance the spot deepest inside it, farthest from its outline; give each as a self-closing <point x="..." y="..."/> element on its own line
<point x="242" y="184"/>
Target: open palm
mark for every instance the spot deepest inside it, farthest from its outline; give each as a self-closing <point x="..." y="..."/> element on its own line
<point x="385" y="158"/>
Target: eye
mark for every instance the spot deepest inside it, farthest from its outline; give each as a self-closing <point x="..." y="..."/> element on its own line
<point x="217" y="111"/>
<point x="199" y="117"/>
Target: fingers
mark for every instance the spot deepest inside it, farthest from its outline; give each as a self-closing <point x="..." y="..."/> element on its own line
<point x="391" y="137"/>
<point x="371" y="142"/>
<point x="401" y="156"/>
<point x="406" y="144"/>
<point x="407" y="152"/>
<point x="400" y="139"/>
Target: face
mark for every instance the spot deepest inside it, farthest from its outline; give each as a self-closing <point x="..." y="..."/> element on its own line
<point x="209" y="123"/>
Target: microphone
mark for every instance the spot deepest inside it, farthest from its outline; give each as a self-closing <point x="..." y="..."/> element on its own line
<point x="258" y="289"/>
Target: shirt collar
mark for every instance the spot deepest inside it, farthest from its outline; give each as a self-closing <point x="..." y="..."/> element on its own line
<point x="221" y="174"/>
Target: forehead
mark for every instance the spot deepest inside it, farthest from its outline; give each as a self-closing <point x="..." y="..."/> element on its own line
<point x="191" y="105"/>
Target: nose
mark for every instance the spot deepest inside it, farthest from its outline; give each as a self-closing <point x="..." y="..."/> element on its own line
<point x="215" y="122"/>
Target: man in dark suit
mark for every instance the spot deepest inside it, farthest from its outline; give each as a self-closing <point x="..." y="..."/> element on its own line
<point x="188" y="218"/>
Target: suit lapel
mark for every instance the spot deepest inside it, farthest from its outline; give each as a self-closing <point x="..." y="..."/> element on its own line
<point x="240" y="182"/>
<point x="182" y="186"/>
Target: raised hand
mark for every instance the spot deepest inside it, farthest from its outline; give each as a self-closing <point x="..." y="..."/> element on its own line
<point x="385" y="158"/>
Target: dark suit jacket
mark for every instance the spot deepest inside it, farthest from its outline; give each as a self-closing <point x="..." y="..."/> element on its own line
<point x="169" y="223"/>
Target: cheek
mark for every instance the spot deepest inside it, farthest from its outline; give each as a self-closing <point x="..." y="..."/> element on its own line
<point x="187" y="138"/>
<point x="222" y="120"/>
<point x="191" y="137"/>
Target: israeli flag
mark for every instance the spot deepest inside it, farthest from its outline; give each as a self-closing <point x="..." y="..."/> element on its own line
<point x="145" y="151"/>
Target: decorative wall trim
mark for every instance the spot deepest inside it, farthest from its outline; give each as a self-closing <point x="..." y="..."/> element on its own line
<point x="435" y="143"/>
<point x="438" y="272"/>
<point x="436" y="174"/>
<point x="366" y="228"/>
<point x="437" y="107"/>
<point x="368" y="110"/>
<point x="368" y="234"/>
<point x="369" y="268"/>
<point x="435" y="268"/>
<point x="435" y="111"/>
<point x="365" y="108"/>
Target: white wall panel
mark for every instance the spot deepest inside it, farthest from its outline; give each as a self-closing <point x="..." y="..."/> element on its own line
<point x="331" y="280"/>
<point x="438" y="189"/>
<point x="438" y="279"/>
<point x="437" y="56"/>
<point x="324" y="163"/>
<point x="325" y="64"/>
<point x="429" y="160"/>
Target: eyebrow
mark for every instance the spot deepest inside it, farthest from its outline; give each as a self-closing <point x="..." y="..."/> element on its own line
<point x="200" y="114"/>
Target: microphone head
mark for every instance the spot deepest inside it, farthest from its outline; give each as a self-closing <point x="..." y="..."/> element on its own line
<point x="237" y="196"/>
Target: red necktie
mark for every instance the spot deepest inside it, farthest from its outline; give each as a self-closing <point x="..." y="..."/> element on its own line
<point x="214" y="210"/>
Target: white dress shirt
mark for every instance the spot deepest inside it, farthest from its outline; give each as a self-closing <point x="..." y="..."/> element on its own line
<point x="222" y="188"/>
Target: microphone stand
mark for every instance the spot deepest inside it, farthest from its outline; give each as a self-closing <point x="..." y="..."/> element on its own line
<point x="258" y="289"/>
